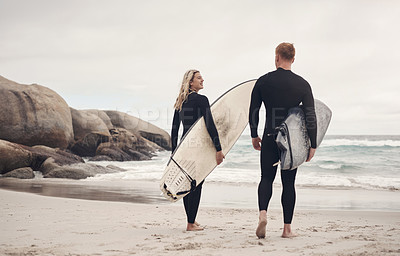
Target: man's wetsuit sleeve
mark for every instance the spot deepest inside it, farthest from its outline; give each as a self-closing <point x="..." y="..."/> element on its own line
<point x="311" y="119"/>
<point x="254" y="110"/>
<point x="174" y="130"/>
<point x="212" y="130"/>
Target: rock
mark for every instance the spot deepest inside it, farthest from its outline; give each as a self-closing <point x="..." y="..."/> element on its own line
<point x="34" y="115"/>
<point x="116" y="168"/>
<point x="125" y="146"/>
<point x="100" y="158"/>
<point x="89" y="130"/>
<point x="40" y="154"/>
<point x="21" y="173"/>
<point x="84" y="122"/>
<point x="79" y="171"/>
<point x="13" y="156"/>
<point x="137" y="156"/>
<point x="48" y="166"/>
<point x="103" y="116"/>
<point x="147" y="147"/>
<point x="123" y="139"/>
<point x="138" y="126"/>
<point x="88" y="145"/>
<point x="113" y="152"/>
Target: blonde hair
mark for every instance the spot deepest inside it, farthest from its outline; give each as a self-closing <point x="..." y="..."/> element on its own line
<point x="184" y="91"/>
<point x="285" y="50"/>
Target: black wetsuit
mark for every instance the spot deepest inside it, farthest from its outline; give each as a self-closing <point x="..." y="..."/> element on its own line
<point x="279" y="90"/>
<point x="195" y="107"/>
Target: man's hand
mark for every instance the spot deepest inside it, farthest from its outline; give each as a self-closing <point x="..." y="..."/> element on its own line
<point x="220" y="157"/>
<point x="256" y="143"/>
<point x="310" y="154"/>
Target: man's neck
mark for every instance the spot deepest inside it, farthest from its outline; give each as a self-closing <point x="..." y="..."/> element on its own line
<point x="285" y="66"/>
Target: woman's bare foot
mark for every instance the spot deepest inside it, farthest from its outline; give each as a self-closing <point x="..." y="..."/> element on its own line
<point x="287" y="231"/>
<point x="262" y="225"/>
<point x="193" y="227"/>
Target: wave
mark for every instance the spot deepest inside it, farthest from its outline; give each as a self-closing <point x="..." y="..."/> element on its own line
<point x="360" y="143"/>
<point x="365" y="182"/>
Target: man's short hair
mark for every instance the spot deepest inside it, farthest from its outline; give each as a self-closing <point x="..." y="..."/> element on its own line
<point x="285" y="50"/>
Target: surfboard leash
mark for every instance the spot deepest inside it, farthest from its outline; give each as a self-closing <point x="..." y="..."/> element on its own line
<point x="284" y="130"/>
<point x="193" y="182"/>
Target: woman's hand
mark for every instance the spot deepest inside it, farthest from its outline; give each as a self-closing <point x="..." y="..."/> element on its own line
<point x="220" y="157"/>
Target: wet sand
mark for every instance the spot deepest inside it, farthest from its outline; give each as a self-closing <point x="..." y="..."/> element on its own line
<point x="238" y="195"/>
<point x="41" y="225"/>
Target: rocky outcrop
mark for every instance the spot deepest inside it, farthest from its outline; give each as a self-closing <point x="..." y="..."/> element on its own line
<point x="89" y="131"/>
<point x="60" y="157"/>
<point x="103" y="116"/>
<point x="33" y="115"/>
<point x="21" y="173"/>
<point x="79" y="171"/>
<point x="125" y="146"/>
<point x="138" y="126"/>
<point x="40" y="132"/>
<point x="13" y="156"/>
<point x="104" y="142"/>
<point x="20" y="161"/>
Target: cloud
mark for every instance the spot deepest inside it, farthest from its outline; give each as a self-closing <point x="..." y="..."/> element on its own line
<point x="131" y="55"/>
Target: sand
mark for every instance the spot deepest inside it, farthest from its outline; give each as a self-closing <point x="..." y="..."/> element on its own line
<point x="39" y="225"/>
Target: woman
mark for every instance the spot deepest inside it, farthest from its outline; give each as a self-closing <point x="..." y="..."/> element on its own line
<point x="189" y="107"/>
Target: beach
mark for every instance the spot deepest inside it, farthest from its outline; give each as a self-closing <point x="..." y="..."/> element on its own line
<point x="347" y="203"/>
<point x="41" y="223"/>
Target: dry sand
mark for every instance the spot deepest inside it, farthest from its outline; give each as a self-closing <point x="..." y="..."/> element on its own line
<point x="39" y="225"/>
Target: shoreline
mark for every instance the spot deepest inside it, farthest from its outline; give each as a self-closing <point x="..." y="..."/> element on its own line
<point x="41" y="225"/>
<point x="214" y="194"/>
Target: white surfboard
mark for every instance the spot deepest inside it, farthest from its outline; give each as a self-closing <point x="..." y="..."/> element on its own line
<point x="292" y="139"/>
<point x="194" y="158"/>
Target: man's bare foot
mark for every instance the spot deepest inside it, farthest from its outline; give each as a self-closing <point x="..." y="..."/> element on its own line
<point x="288" y="235"/>
<point x="193" y="227"/>
<point x="262" y="227"/>
<point x="262" y="224"/>
<point x="287" y="231"/>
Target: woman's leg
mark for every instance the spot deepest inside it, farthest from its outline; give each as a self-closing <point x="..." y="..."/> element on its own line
<point x="191" y="203"/>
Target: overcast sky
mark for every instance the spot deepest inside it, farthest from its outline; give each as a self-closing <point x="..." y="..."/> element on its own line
<point x="131" y="55"/>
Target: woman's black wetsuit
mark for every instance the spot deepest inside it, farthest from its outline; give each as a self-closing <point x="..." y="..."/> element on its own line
<point x="195" y="107"/>
<point x="279" y="90"/>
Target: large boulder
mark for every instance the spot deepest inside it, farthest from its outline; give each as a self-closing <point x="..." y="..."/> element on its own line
<point x="21" y="173"/>
<point x="13" y="156"/>
<point x="125" y="146"/>
<point x="79" y="171"/>
<point x="34" y="115"/>
<point x="60" y="157"/>
<point x="89" y="130"/>
<point x="85" y="122"/>
<point x="138" y="126"/>
<point x="38" y="158"/>
<point x="102" y="115"/>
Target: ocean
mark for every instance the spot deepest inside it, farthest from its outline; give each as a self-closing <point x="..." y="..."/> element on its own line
<point x="362" y="162"/>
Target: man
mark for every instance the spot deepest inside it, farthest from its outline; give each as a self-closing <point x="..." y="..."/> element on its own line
<point x="279" y="90"/>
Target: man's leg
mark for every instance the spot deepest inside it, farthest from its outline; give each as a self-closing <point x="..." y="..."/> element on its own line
<point x="288" y="200"/>
<point x="269" y="156"/>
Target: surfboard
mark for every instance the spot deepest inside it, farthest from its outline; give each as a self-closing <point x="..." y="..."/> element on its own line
<point x="293" y="140"/>
<point x="194" y="158"/>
